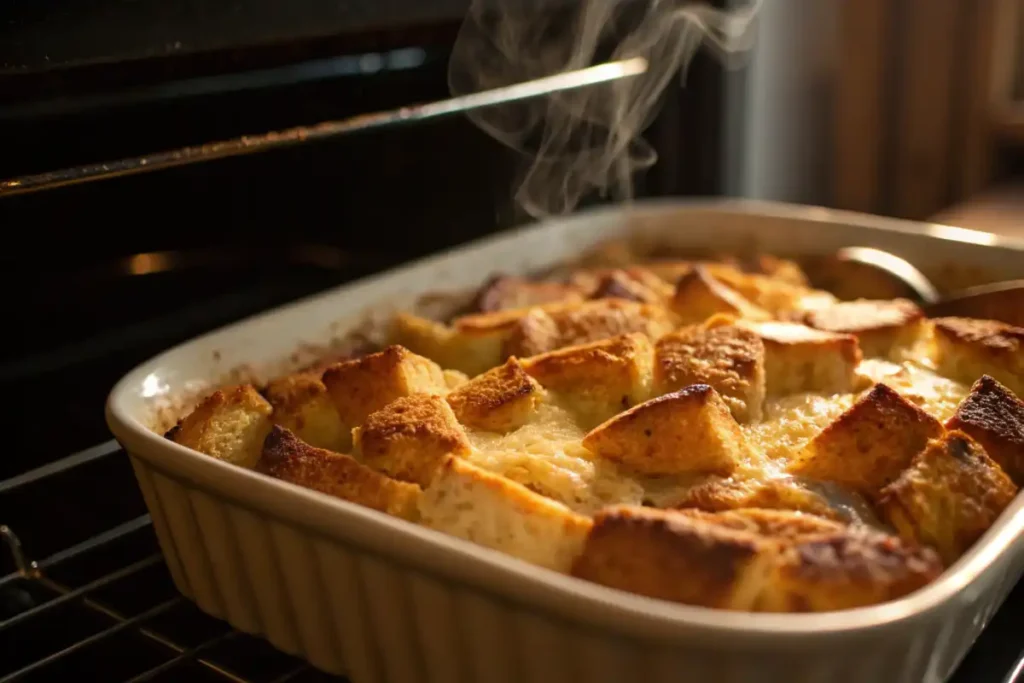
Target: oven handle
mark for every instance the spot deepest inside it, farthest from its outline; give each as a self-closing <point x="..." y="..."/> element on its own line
<point x="250" y="144"/>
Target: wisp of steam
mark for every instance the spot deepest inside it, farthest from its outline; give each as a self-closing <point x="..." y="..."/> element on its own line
<point x="585" y="140"/>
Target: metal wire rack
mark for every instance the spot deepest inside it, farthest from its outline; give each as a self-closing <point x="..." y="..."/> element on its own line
<point x="105" y="603"/>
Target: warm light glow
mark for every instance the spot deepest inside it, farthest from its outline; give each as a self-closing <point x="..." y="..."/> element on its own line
<point x="153" y="386"/>
<point x="143" y="264"/>
<point x="950" y="232"/>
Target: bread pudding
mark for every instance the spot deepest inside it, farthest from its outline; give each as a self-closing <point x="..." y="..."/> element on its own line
<point x="714" y="432"/>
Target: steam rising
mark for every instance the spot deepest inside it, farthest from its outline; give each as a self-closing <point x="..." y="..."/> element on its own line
<point x="588" y="139"/>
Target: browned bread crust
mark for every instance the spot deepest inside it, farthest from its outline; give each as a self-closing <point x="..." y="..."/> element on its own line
<point x="503" y="292"/>
<point x="699" y="295"/>
<point x="844" y="570"/>
<point x="968" y="348"/>
<point x="303" y="405"/>
<point x="674" y="557"/>
<point x="364" y="386"/>
<point x="881" y="327"/>
<point x="994" y="417"/>
<point x="870" y="444"/>
<point x="290" y="459"/>
<point x="688" y="431"/>
<point x="598" y="379"/>
<point x="541" y="331"/>
<point x="738" y="493"/>
<point x="948" y="497"/>
<point x="499" y="400"/>
<point x="410" y="437"/>
<point x="229" y="424"/>
<point x="799" y="358"/>
<point x="750" y="560"/>
<point x="729" y="358"/>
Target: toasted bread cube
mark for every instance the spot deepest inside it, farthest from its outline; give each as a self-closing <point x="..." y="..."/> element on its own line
<point x="994" y="417"/>
<point x="870" y="444"/>
<point x="470" y="503"/>
<point x="698" y="296"/>
<point x="728" y="358"/>
<point x="881" y="327"/>
<point x="774" y="524"/>
<point x="229" y="424"/>
<point x="781" y="270"/>
<point x="544" y="330"/>
<point x="667" y="270"/>
<point x="303" y="406"/>
<point x="360" y="387"/>
<point x="290" y="459"/>
<point x="632" y="285"/>
<point x="966" y="349"/>
<point x="773" y="295"/>
<point x="471" y="351"/>
<point x="854" y="567"/>
<point x="499" y="400"/>
<point x="948" y="497"/>
<point x="409" y="438"/>
<point x="670" y="556"/>
<point x="688" y="431"/>
<point x="799" y="358"/>
<point x="736" y="493"/>
<point x="600" y="379"/>
<point x="502" y="293"/>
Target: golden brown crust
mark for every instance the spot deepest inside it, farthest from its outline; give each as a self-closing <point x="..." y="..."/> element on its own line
<point x="288" y="458"/>
<point x="303" y="406"/>
<point x="729" y="358"/>
<point x="543" y="331"/>
<point x="668" y="271"/>
<point x="229" y="424"/>
<point x="410" y="437"/>
<point x="673" y="557"/>
<point x="361" y="387"/>
<point x="698" y="296"/>
<point x="799" y="358"/>
<point x="967" y="348"/>
<point x="880" y="326"/>
<point x="781" y="270"/>
<point x="688" y="431"/>
<point x="994" y="417"/>
<point x="599" y="379"/>
<point x="778" y="524"/>
<point x="471" y="352"/>
<point x="847" y="569"/>
<point x="868" y="445"/>
<point x="504" y="320"/>
<point x="751" y="560"/>
<point x="632" y="285"/>
<point x="503" y="292"/>
<point x="499" y="400"/>
<point x="718" y="495"/>
<point x="773" y="295"/>
<point x="948" y="497"/>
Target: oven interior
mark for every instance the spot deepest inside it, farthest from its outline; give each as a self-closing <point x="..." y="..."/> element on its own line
<point x="102" y="275"/>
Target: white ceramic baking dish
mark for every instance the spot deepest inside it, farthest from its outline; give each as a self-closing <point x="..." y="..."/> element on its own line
<point x="357" y="592"/>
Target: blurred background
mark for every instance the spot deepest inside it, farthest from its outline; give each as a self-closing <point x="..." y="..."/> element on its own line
<point x="908" y="108"/>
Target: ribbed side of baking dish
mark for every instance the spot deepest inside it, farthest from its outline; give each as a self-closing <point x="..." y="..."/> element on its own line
<point x="351" y="611"/>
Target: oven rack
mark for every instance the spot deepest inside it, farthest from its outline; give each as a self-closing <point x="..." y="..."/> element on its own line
<point x="106" y="605"/>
